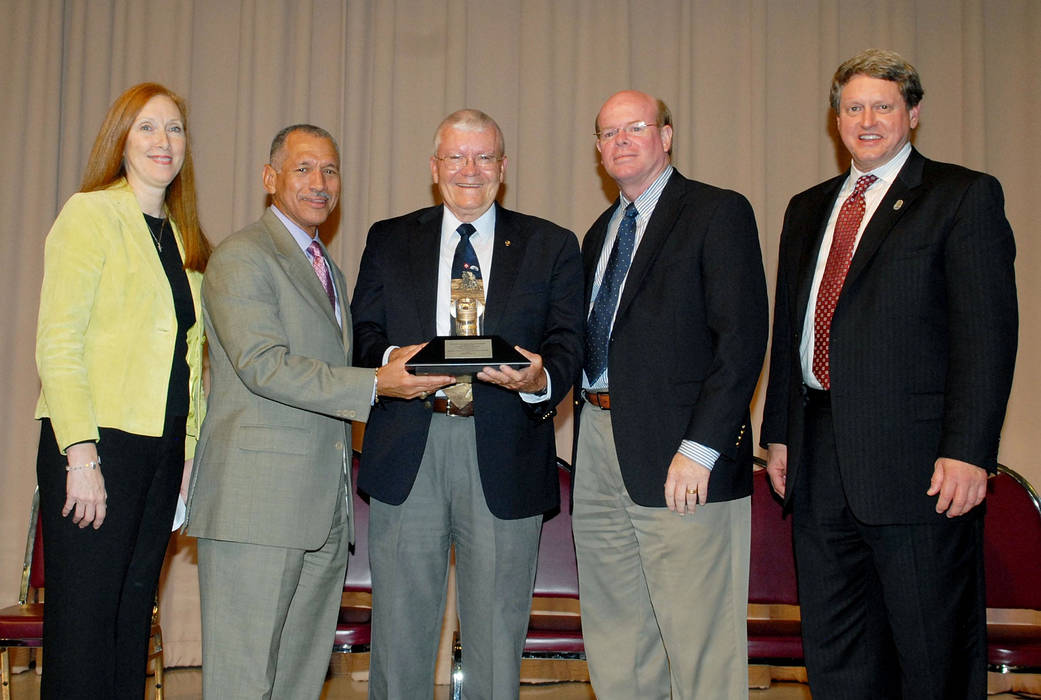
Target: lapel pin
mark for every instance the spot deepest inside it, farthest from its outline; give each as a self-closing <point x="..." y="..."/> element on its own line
<point x="507" y="243"/>
<point x="896" y="205"/>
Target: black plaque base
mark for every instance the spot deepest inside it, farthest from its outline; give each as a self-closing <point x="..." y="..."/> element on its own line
<point x="465" y="355"/>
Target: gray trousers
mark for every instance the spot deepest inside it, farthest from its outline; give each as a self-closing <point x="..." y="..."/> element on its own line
<point x="409" y="549"/>
<point x="664" y="597"/>
<point x="269" y="615"/>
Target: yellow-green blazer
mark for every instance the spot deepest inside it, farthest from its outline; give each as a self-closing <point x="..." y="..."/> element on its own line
<point x="105" y="337"/>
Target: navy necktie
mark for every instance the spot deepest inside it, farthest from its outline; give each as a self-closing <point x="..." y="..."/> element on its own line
<point x="465" y="257"/>
<point x="465" y="261"/>
<point x="598" y="329"/>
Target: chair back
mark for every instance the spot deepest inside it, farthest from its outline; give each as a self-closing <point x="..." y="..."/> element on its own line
<point x="556" y="574"/>
<point x="1012" y="542"/>
<point x="32" y="564"/>
<point x="772" y="567"/>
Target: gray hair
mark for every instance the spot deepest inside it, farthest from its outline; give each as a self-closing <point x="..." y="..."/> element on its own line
<point x="279" y="142"/>
<point x="470" y="120"/>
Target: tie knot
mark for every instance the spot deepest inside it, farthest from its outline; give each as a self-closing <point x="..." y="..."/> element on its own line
<point x="465" y="230"/>
<point x="315" y="249"/>
<point x="863" y="182"/>
<point x="630" y="211"/>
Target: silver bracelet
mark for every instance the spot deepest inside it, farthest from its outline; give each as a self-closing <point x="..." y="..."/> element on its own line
<point x="80" y="467"/>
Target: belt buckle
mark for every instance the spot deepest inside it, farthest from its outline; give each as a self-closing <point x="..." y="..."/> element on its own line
<point x="448" y="408"/>
<point x="451" y="409"/>
<point x="593" y="398"/>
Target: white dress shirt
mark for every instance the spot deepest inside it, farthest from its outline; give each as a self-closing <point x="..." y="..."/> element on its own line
<point x="873" y="195"/>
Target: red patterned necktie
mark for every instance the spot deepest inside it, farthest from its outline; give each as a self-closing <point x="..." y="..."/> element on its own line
<point x="322" y="270"/>
<point x="839" y="257"/>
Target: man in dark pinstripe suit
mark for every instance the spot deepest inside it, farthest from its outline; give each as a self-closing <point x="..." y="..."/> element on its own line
<point x="884" y="408"/>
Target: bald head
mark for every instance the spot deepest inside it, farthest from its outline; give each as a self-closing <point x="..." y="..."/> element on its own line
<point x="634" y="158"/>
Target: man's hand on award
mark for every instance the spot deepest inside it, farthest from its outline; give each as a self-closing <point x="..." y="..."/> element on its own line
<point x="393" y="380"/>
<point x="530" y="380"/>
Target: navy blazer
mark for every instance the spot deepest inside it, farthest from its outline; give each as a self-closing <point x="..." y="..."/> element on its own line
<point x="923" y="341"/>
<point x="688" y="339"/>
<point x="534" y="300"/>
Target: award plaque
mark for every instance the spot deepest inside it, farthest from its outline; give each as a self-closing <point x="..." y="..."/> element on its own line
<point x="465" y="355"/>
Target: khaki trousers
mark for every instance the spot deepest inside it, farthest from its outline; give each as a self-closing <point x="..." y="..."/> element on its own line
<point x="664" y="597"/>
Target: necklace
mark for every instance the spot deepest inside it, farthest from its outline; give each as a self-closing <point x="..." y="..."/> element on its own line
<point x="159" y="240"/>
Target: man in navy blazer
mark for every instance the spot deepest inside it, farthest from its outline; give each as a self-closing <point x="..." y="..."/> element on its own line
<point x="882" y="428"/>
<point x="481" y="476"/>
<point x="663" y="464"/>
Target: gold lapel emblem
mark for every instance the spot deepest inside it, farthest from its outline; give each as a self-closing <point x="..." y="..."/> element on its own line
<point x="896" y="205"/>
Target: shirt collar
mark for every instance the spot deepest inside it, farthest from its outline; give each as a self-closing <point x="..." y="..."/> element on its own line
<point x="887" y="172"/>
<point x="302" y="237"/>
<point x="485" y="224"/>
<point x="648" y="199"/>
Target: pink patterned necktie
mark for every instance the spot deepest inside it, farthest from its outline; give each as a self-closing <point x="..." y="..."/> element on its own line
<point x="322" y="270"/>
<point x="839" y="257"/>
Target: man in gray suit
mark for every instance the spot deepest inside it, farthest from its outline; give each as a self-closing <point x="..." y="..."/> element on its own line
<point x="271" y="487"/>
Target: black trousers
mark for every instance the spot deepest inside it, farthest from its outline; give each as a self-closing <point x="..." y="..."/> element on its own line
<point x="888" y="611"/>
<point x="100" y="584"/>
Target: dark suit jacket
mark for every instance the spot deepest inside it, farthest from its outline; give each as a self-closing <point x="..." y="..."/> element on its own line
<point x="688" y="339"/>
<point x="923" y="340"/>
<point x="534" y="300"/>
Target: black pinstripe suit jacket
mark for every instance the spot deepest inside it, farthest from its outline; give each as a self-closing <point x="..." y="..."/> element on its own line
<point x="923" y="341"/>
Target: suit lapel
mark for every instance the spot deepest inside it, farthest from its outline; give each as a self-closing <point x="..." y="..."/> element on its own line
<point x="424" y="252"/>
<point x="654" y="236"/>
<point x="507" y="254"/>
<point x="904" y="190"/>
<point x="592" y="248"/>
<point x="817" y="222"/>
<point x="345" y="304"/>
<point x="139" y="237"/>
<point x="298" y="268"/>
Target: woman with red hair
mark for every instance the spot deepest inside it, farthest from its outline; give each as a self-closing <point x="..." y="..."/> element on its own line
<point x="119" y="352"/>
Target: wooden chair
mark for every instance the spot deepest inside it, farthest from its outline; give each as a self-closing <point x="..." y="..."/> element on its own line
<point x="21" y="625"/>
<point x="1012" y="562"/>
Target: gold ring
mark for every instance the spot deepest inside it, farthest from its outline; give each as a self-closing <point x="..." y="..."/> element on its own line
<point x="422" y="394"/>
<point x="692" y="491"/>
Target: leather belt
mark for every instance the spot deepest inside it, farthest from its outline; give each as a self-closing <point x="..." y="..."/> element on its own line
<point x="440" y="404"/>
<point x="600" y="399"/>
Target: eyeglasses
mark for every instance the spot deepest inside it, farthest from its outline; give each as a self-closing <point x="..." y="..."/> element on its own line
<point x="458" y="161"/>
<point x="634" y="129"/>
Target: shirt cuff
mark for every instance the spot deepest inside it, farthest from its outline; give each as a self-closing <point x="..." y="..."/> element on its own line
<point x="539" y="398"/>
<point x="375" y="379"/>
<point x="705" y="456"/>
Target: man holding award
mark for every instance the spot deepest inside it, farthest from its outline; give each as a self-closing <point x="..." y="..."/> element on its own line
<point x="500" y="294"/>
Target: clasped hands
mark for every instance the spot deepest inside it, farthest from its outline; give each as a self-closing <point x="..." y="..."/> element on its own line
<point x="397" y="382"/>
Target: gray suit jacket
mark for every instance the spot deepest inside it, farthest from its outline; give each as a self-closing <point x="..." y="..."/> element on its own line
<point x="274" y="445"/>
